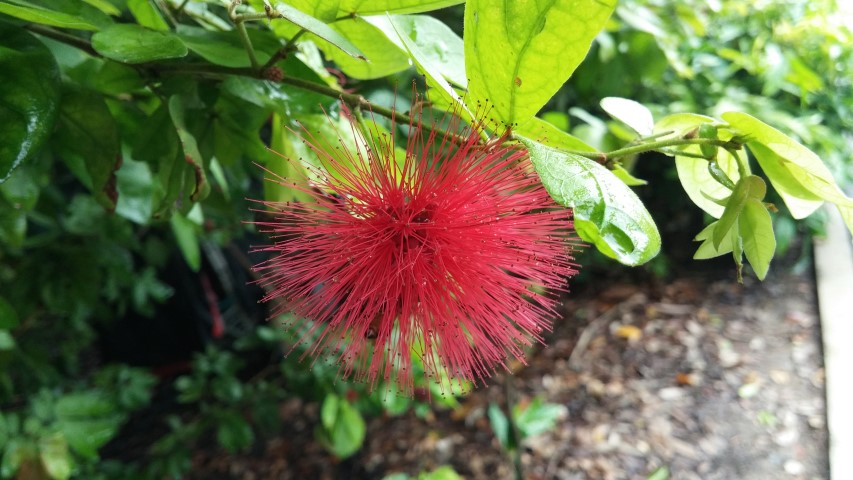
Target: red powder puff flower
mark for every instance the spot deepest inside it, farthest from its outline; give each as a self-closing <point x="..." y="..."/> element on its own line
<point x="455" y="254"/>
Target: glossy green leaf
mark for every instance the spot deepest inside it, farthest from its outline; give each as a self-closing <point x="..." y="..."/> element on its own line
<point x="434" y="47"/>
<point x="518" y="54"/>
<point x="432" y="65"/>
<point x="128" y="43"/>
<point x="46" y="16"/>
<point x="29" y="97"/>
<point x="631" y="113"/>
<point x="55" y="457"/>
<point x="379" y="7"/>
<point x="607" y="212"/>
<point x="383" y="56"/>
<point x="660" y="473"/>
<point x="756" y="230"/>
<point x="797" y="173"/>
<point x="319" y="28"/>
<point x="147" y="15"/>
<point x="8" y="316"/>
<point x="88" y="141"/>
<point x="749" y="188"/>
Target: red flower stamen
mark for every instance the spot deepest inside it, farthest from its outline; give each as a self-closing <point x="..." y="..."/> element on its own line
<point x="456" y="254"/>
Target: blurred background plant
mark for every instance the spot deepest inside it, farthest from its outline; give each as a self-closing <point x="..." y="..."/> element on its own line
<point x="128" y="336"/>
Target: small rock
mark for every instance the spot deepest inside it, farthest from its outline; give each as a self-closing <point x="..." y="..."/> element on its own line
<point x="793" y="467"/>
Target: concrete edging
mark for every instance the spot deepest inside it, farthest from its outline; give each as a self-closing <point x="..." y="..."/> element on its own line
<point x="834" y="276"/>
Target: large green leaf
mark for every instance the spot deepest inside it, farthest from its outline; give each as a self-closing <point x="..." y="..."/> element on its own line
<point x="433" y="45"/>
<point x="319" y="28"/>
<point x="693" y="173"/>
<point x="518" y="54"/>
<point x="226" y="48"/>
<point x="46" y="16"/>
<point x="28" y="99"/>
<point x="383" y="56"/>
<point x="129" y="43"/>
<point x="87" y="139"/>
<point x="378" y="7"/>
<point x="797" y="173"/>
<point x="606" y="211"/>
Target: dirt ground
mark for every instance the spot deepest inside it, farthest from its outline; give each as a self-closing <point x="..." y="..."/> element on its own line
<point x="707" y="378"/>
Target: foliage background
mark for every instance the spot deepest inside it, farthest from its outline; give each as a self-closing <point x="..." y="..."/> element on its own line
<point x="116" y="233"/>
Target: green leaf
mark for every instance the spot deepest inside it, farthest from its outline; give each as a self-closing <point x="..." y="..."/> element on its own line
<point x="55" y="457"/>
<point x="8" y="316"/>
<point x="707" y="249"/>
<point x="136" y="190"/>
<point x="7" y="341"/>
<point x="434" y="47"/>
<point x="88" y="420"/>
<point x="343" y="428"/>
<point x="129" y="43"/>
<point x="747" y="188"/>
<point x="28" y="99"/>
<point x="87" y="139"/>
<point x="700" y="185"/>
<point x="104" y="6"/>
<point x="756" y="230"/>
<point x="190" y="149"/>
<point x="329" y="411"/>
<point x="432" y="65"/>
<point x="546" y="133"/>
<point x="606" y="211"/>
<point x="45" y="16"/>
<point x="318" y="28"/>
<point x="500" y="426"/>
<point x="441" y="473"/>
<point x="518" y="54"/>
<point x="626" y="177"/>
<point x="147" y="15"/>
<point x="226" y="48"/>
<point x="186" y="235"/>
<point x="660" y="473"/>
<point x="538" y="417"/>
<point x="233" y="432"/>
<point x="281" y="162"/>
<point x="631" y="113"/>
<point x="379" y="7"/>
<point x="797" y="173"/>
<point x="383" y="56"/>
